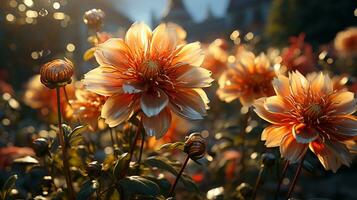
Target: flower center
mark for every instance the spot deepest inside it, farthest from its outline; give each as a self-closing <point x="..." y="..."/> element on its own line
<point x="313" y="111"/>
<point x="150" y="69"/>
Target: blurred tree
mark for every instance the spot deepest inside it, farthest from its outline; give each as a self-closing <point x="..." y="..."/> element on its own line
<point x="320" y="20"/>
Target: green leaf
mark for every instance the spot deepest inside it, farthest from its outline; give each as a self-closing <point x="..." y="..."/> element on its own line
<point x="172" y="146"/>
<point x="161" y="163"/>
<point x="9" y="184"/>
<point x="87" y="189"/>
<point x="66" y="130"/>
<point x="120" y="165"/>
<point x="138" y="185"/>
<point x="77" y="131"/>
<point x="75" y="137"/>
<point x="163" y="183"/>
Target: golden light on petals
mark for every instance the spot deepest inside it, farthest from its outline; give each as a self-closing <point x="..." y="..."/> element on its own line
<point x="249" y="78"/>
<point x="312" y="112"/>
<point x="153" y="72"/>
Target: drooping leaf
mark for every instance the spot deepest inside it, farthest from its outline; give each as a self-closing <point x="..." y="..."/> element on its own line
<point x="173" y="146"/>
<point x="189" y="183"/>
<point x="161" y="163"/>
<point x="133" y="185"/>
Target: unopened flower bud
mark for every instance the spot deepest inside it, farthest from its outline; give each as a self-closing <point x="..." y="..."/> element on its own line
<point x="40" y="146"/>
<point x="94" y="169"/>
<point x="195" y="146"/>
<point x="56" y="73"/>
<point x="268" y="159"/>
<point x="94" y="18"/>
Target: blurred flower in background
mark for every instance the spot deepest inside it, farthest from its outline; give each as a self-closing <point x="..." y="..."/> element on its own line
<point x="248" y="79"/>
<point x="346" y="42"/>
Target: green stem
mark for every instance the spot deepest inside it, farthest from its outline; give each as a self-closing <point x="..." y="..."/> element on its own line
<point x="112" y="139"/>
<point x="171" y="194"/>
<point x="67" y="172"/>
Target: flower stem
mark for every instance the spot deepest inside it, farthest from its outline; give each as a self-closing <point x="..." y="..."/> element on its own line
<point x="258" y="181"/>
<point x="293" y="183"/>
<point x="112" y="139"/>
<point x="64" y="147"/>
<point x="285" y="169"/>
<point x="178" y="176"/>
<point x="243" y="124"/>
<point x="141" y="147"/>
<point x="135" y="140"/>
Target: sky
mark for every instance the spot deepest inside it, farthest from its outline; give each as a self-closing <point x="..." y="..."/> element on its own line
<point x="141" y="10"/>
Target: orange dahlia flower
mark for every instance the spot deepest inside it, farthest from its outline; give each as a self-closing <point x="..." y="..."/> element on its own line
<point x="309" y="114"/>
<point x="38" y="96"/>
<point x="298" y="56"/>
<point x="216" y="57"/>
<point x="86" y="107"/>
<point x="346" y="42"/>
<point x="150" y="72"/>
<point x="250" y="78"/>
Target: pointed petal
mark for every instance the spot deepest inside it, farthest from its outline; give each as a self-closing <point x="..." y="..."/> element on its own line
<point x="164" y="40"/>
<point x="344" y="102"/>
<point x="195" y="77"/>
<point x="291" y="150"/>
<point x="157" y="125"/>
<point x="298" y="83"/>
<point x="138" y="38"/>
<point x="276" y="104"/>
<point x="188" y="104"/>
<point x="117" y="109"/>
<point x="152" y="102"/>
<point x="114" y="52"/>
<point x="281" y="86"/>
<point x="331" y="154"/>
<point x="103" y="80"/>
<point x="322" y="84"/>
<point x="274" y="118"/>
<point x="273" y="135"/>
<point x="191" y="54"/>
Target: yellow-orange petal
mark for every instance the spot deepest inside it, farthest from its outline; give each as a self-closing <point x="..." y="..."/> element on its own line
<point x="344" y="102"/>
<point x="117" y="109"/>
<point x="274" y="118"/>
<point x="164" y="40"/>
<point x="291" y="150"/>
<point x="276" y="104"/>
<point x="138" y="39"/>
<point x="153" y="102"/>
<point x="298" y="83"/>
<point x="103" y="80"/>
<point x="195" y="77"/>
<point x="281" y="86"/>
<point x="190" y="53"/>
<point x="322" y="84"/>
<point x="273" y="135"/>
<point x="331" y="154"/>
<point x="114" y="52"/>
<point x="157" y="125"/>
<point x="188" y="104"/>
